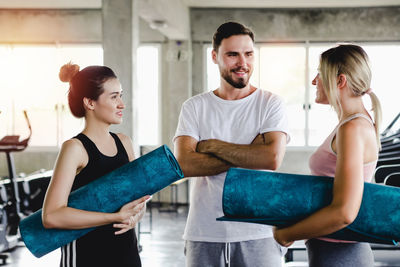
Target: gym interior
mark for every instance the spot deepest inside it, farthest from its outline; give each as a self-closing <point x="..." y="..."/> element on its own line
<point x="161" y="53"/>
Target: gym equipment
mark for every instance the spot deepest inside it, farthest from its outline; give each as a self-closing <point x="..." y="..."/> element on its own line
<point x="282" y="199"/>
<point x="387" y="161"/>
<point x="384" y="171"/>
<point x="393" y="179"/>
<point x="385" y="133"/>
<point x="143" y="176"/>
<point x="392" y="154"/>
<point x="35" y="186"/>
<point x="11" y="202"/>
<point x="390" y="147"/>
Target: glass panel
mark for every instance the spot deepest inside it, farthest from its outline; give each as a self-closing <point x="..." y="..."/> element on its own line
<point x="5" y="93"/>
<point x="30" y="82"/>
<point x="148" y="95"/>
<point x="282" y="71"/>
<point x="83" y="55"/>
<point x="384" y="60"/>
<point x="322" y="118"/>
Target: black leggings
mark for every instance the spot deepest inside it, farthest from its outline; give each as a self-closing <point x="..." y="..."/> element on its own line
<point x="331" y="254"/>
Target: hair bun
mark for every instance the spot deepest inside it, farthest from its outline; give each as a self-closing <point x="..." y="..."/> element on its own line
<point x="68" y="71"/>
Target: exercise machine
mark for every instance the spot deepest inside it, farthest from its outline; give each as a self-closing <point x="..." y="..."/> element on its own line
<point x="10" y="206"/>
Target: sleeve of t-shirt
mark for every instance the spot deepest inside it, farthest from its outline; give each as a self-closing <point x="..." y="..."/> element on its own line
<point x="275" y="119"/>
<point x="188" y="123"/>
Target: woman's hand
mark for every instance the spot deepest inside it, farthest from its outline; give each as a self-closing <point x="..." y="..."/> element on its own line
<point x="130" y="214"/>
<point x="278" y="235"/>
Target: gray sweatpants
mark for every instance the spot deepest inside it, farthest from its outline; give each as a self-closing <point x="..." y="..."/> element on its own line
<point x="329" y="254"/>
<point x="261" y="253"/>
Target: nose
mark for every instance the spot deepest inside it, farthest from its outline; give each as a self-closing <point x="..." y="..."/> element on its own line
<point x="314" y="81"/>
<point x="241" y="60"/>
<point x="121" y="104"/>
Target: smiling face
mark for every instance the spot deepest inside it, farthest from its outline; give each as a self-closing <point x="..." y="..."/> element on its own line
<point x="235" y="59"/>
<point x="108" y="107"/>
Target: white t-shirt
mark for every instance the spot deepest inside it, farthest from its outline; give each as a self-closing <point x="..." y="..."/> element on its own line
<point x="207" y="116"/>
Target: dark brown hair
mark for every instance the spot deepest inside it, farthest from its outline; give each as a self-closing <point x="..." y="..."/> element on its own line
<point x="228" y="29"/>
<point x="85" y="83"/>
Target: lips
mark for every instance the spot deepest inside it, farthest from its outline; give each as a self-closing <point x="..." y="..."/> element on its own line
<point x="119" y="113"/>
<point x="240" y="72"/>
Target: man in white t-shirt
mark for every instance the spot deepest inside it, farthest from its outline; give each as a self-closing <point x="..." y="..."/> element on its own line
<point x="236" y="125"/>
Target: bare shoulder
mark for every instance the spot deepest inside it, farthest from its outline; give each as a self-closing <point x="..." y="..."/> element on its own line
<point x="359" y="132"/>
<point x="359" y="127"/>
<point x="127" y="143"/>
<point x="74" y="148"/>
<point x="124" y="138"/>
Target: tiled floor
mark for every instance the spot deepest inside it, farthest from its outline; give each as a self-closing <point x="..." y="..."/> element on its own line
<point x="164" y="246"/>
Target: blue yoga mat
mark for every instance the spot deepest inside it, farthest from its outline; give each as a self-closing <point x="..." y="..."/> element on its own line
<point x="282" y="199"/>
<point x="143" y="176"/>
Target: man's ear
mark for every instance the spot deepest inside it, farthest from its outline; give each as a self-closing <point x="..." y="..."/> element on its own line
<point x="214" y="56"/>
<point x="88" y="103"/>
<point x="341" y="81"/>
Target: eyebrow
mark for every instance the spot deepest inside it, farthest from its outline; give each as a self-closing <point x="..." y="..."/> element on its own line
<point x="237" y="52"/>
<point x="117" y="92"/>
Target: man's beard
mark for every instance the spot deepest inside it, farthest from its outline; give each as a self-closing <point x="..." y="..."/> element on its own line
<point x="240" y="83"/>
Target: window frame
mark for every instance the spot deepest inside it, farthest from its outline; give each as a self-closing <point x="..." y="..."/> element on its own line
<point x="307" y="103"/>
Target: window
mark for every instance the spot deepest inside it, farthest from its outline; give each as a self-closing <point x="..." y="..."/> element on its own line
<point x="384" y="63"/>
<point x="148" y="95"/>
<point x="30" y="82"/>
<point x="321" y="118"/>
<point x="288" y="70"/>
<point x="282" y="71"/>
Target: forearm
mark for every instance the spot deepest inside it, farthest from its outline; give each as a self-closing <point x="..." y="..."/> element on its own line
<point x="252" y="156"/>
<point x="195" y="164"/>
<point x="323" y="222"/>
<point x="70" y="218"/>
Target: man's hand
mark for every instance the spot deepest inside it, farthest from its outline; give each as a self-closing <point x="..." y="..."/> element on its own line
<point x="205" y="146"/>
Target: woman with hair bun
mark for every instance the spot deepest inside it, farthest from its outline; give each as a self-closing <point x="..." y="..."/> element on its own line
<point x="96" y="95"/>
<point x="349" y="154"/>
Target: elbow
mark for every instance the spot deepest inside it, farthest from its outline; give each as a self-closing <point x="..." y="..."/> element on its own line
<point x="349" y="218"/>
<point x="275" y="162"/>
<point x="274" y="165"/>
<point x="48" y="221"/>
<point x="346" y="216"/>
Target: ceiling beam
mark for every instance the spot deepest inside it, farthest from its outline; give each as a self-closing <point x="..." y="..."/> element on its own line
<point x="170" y="17"/>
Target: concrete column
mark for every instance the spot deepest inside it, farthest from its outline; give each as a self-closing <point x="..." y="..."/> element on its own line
<point x="176" y="85"/>
<point x="120" y="41"/>
<point x="198" y="68"/>
<point x="176" y="88"/>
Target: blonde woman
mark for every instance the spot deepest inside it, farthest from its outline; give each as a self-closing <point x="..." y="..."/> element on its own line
<point x="95" y="94"/>
<point x="349" y="154"/>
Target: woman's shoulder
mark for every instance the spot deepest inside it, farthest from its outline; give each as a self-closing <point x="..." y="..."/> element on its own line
<point x="357" y="124"/>
<point x="72" y="145"/>
<point x="122" y="136"/>
<point x="358" y="130"/>
<point x="127" y="143"/>
<point x="73" y="152"/>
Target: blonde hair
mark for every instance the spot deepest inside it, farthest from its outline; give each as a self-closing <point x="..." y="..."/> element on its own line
<point x="352" y="61"/>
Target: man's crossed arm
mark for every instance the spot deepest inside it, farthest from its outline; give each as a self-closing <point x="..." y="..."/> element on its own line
<point x="213" y="156"/>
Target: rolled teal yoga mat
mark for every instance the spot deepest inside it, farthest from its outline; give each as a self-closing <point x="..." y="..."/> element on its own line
<point x="282" y="199"/>
<point x="143" y="176"/>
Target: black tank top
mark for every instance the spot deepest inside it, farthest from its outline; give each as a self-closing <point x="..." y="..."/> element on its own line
<point x="101" y="247"/>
